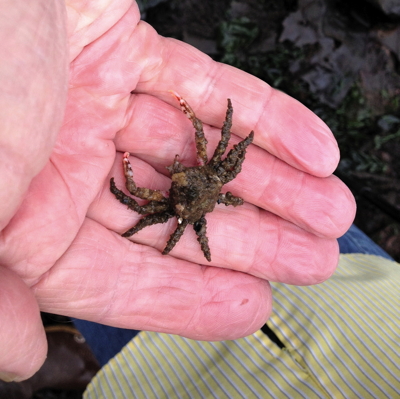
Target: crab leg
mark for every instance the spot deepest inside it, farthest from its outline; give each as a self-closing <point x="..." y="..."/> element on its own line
<point x="200" y="139"/>
<point x="176" y="167"/>
<point x="200" y="227"/>
<point x="151" y="207"/>
<point x="229" y="199"/>
<point x="143" y="193"/>
<point x="232" y="165"/>
<point x="175" y="236"/>
<point x="225" y="136"/>
<point x="147" y="221"/>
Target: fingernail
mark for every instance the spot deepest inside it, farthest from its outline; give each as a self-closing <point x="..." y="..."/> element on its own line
<point x="9" y="377"/>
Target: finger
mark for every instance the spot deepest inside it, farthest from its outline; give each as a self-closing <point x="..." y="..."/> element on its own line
<point x="26" y="116"/>
<point x="336" y="209"/>
<point x="23" y="345"/>
<point x="87" y="21"/>
<point x="156" y="132"/>
<point x="282" y="125"/>
<point x="244" y="238"/>
<point x="110" y="280"/>
<point x="148" y="63"/>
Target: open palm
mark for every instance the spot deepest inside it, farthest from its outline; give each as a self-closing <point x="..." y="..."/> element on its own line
<point x="60" y="245"/>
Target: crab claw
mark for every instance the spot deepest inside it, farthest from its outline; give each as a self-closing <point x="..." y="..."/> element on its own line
<point x="185" y="107"/>
<point x="175" y="94"/>
<point x="127" y="165"/>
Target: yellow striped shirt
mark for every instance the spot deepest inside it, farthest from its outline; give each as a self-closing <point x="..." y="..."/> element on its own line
<point x="341" y="340"/>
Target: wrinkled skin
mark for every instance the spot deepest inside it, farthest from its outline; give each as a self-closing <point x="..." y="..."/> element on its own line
<point x="60" y="244"/>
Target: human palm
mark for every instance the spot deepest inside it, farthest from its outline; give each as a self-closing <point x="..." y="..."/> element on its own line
<point x="61" y="247"/>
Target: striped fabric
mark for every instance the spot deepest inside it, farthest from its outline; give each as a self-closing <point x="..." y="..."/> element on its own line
<point x="341" y="340"/>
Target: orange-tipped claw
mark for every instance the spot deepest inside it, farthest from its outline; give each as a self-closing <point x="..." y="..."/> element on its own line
<point x="175" y="94"/>
<point x="185" y="107"/>
<point x="127" y="165"/>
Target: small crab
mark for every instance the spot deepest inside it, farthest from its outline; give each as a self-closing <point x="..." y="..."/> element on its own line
<point x="194" y="191"/>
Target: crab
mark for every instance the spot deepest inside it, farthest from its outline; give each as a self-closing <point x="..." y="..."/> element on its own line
<point x="194" y="191"/>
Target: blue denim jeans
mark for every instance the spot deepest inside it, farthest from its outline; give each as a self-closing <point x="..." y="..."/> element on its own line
<point x="106" y="341"/>
<point x="355" y="241"/>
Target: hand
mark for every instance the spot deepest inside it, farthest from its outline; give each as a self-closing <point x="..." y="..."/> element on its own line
<point x="61" y="249"/>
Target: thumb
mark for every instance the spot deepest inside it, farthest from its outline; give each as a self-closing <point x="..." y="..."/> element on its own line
<point x="23" y="344"/>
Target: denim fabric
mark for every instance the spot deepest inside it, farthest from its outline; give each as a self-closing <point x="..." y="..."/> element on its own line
<point x="355" y="241"/>
<point x="106" y="341"/>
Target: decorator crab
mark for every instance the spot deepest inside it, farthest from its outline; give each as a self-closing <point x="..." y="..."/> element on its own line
<point x="194" y="191"/>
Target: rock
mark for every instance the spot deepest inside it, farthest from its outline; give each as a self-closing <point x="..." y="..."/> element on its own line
<point x="391" y="39"/>
<point x="341" y="55"/>
<point x="389" y="7"/>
